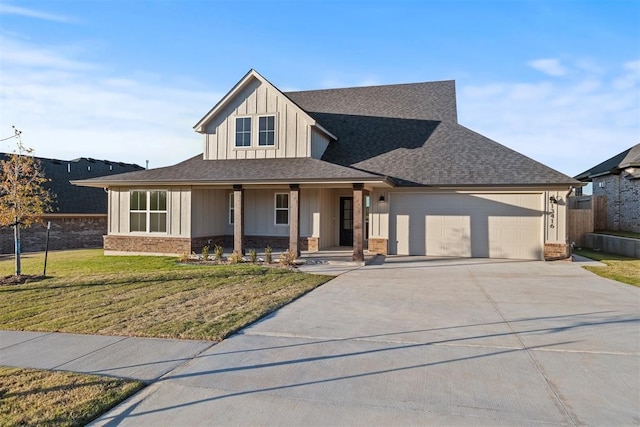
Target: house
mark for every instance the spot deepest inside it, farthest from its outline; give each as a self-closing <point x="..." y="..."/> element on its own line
<point x="79" y="217"/>
<point x="383" y="168"/>
<point x="618" y="178"/>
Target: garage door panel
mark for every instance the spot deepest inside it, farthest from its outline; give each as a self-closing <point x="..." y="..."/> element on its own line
<point x="466" y="225"/>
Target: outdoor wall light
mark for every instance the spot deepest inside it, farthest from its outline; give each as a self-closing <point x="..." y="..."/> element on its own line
<point x="381" y="199"/>
<point x="552" y="199"/>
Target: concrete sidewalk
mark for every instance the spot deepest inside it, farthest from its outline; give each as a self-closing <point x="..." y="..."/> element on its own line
<point x="145" y="359"/>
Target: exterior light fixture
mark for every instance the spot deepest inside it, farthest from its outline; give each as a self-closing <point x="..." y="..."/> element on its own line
<point x="552" y="199"/>
<point x="381" y="199"/>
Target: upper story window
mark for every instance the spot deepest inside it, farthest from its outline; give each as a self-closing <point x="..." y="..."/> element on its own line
<point x="266" y="131"/>
<point x="243" y="132"/>
<point x="282" y="209"/>
<point x="148" y="211"/>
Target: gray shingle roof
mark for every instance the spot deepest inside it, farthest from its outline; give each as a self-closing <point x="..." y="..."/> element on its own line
<point x="408" y="132"/>
<point x="426" y="101"/>
<point x="71" y="199"/>
<point x="628" y="158"/>
<point x="196" y="169"/>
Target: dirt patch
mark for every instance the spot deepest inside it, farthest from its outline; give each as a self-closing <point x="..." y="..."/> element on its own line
<point x="19" y="280"/>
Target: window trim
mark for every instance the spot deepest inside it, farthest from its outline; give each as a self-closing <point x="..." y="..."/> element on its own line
<point x="276" y="209"/>
<point x="148" y="211"/>
<point x="244" y="132"/>
<point x="231" y="209"/>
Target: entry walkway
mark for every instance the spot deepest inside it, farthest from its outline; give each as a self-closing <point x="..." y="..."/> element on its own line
<point x="411" y="341"/>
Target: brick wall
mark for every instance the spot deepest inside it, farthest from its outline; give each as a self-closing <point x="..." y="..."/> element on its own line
<point x="556" y="251"/>
<point x="623" y="201"/>
<point x="66" y="233"/>
<point x="148" y="244"/>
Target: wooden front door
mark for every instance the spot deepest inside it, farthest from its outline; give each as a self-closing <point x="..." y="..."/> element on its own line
<point x="346" y="221"/>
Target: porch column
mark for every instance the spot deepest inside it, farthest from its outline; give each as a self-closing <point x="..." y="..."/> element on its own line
<point x="294" y="219"/>
<point x="358" y="222"/>
<point x="238" y="219"/>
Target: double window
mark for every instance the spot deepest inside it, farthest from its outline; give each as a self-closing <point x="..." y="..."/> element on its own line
<point x="148" y="211"/>
<point x="266" y="131"/>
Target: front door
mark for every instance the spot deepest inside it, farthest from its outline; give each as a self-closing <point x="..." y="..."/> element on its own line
<point x="346" y="221"/>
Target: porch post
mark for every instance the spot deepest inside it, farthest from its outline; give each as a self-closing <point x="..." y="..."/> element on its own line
<point x="358" y="222"/>
<point x="238" y="219"/>
<point x="294" y="219"/>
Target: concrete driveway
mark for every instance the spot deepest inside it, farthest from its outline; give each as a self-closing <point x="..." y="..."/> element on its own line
<point x="415" y="341"/>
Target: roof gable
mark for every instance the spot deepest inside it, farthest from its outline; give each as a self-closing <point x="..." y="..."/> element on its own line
<point x="250" y="78"/>
<point x="628" y="158"/>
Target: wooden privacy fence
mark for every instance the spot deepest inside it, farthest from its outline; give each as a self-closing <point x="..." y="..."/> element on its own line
<point x="586" y="214"/>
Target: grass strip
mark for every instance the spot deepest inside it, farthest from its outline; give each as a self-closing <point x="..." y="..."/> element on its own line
<point x="620" y="268"/>
<point x="30" y="397"/>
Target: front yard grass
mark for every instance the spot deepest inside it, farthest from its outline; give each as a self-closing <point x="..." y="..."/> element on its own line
<point x="86" y="292"/>
<point x="30" y="397"/>
<point x="620" y="268"/>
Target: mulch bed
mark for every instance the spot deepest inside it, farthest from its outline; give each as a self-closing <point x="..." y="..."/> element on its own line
<point x="19" y="280"/>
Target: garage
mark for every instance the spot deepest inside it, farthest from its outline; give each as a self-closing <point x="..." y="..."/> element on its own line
<point x="483" y="225"/>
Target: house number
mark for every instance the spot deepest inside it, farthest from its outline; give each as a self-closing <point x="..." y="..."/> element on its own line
<point x="552" y="216"/>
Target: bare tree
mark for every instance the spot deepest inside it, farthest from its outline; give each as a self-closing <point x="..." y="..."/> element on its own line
<point x="23" y="197"/>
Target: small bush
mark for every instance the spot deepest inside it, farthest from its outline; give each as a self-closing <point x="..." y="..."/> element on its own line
<point x="217" y="252"/>
<point x="268" y="254"/>
<point x="288" y="258"/>
<point x="235" y="258"/>
<point x="253" y="255"/>
<point x="205" y="252"/>
<point x="184" y="257"/>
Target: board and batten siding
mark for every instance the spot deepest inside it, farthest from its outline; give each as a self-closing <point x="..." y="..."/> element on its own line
<point x="319" y="144"/>
<point x="293" y="127"/>
<point x="178" y="211"/>
<point x="210" y="212"/>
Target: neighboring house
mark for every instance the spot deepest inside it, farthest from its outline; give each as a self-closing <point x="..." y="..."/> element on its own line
<point x="79" y="217"/>
<point x="618" y="178"/>
<point x="386" y="168"/>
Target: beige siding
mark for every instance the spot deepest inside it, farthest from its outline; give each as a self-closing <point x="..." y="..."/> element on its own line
<point x="210" y="212"/>
<point x="328" y="219"/>
<point x="556" y="227"/>
<point x="293" y="132"/>
<point x="379" y="215"/>
<point x="319" y="144"/>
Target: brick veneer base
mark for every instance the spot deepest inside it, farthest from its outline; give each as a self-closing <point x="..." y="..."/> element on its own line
<point x="378" y="246"/>
<point x="182" y="245"/>
<point x="554" y="251"/>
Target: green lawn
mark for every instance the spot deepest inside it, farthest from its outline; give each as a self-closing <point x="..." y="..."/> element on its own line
<point x="86" y="292"/>
<point x="30" y="397"/>
<point x="618" y="267"/>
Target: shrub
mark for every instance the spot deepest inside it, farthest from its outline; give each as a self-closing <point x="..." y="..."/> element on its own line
<point x="217" y="252"/>
<point x="253" y="255"/>
<point x="235" y="258"/>
<point x="288" y="258"/>
<point x="205" y="252"/>
<point x="184" y="257"/>
<point x="268" y="254"/>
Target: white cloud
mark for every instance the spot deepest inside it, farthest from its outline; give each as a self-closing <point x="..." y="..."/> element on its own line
<point x="6" y="9"/>
<point x="570" y="125"/>
<point x="67" y="109"/>
<point x="551" y="67"/>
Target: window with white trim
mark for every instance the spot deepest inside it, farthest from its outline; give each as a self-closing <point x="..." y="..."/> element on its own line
<point x="282" y="209"/>
<point x="266" y="131"/>
<point x="243" y="132"/>
<point x="148" y="211"/>
<point x="231" y="208"/>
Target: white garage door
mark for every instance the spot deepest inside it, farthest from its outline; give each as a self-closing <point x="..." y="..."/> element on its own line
<point x="466" y="225"/>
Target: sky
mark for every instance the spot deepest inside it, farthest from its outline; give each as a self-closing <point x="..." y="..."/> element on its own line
<point x="126" y="80"/>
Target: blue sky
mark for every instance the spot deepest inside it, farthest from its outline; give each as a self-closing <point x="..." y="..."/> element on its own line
<point x="558" y="81"/>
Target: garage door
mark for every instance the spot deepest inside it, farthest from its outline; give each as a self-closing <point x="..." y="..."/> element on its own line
<point x="466" y="225"/>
